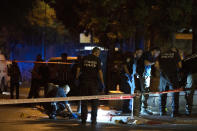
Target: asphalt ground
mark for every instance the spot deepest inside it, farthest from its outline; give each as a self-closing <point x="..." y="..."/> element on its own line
<point x="32" y="117"/>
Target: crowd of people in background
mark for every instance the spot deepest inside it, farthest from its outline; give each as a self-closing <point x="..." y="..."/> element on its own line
<point x="130" y="70"/>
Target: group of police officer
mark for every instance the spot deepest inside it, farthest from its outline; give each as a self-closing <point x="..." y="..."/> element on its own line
<point x="173" y="75"/>
<point x="134" y="70"/>
<point x="137" y="69"/>
<point x="85" y="77"/>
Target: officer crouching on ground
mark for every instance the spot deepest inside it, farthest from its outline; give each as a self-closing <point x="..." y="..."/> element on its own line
<point x="169" y="65"/>
<point x="56" y="108"/>
<point x="90" y="68"/>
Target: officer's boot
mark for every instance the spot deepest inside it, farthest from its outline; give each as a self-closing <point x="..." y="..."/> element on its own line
<point x="175" y="105"/>
<point x="162" y="104"/>
<point x="136" y="112"/>
<point x="52" y="111"/>
<point x="163" y="111"/>
<point x="144" y="105"/>
<point x="187" y="110"/>
<point x="175" y="112"/>
<point x="145" y="111"/>
<point x="136" y="107"/>
<point x="79" y="107"/>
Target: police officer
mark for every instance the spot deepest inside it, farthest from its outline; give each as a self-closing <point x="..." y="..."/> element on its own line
<point x="90" y="68"/>
<point x="74" y="85"/>
<point x="36" y="80"/>
<point x="169" y="64"/>
<point x="44" y="73"/>
<point x="189" y="93"/>
<point x="130" y="70"/>
<point x="15" y="80"/>
<point x="144" y="65"/>
<point x="188" y="70"/>
<point x="63" y="71"/>
<point x="55" y="108"/>
<point x="115" y="68"/>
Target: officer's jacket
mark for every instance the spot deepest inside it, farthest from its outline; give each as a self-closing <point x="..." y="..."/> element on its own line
<point x="90" y="65"/>
<point x="168" y="62"/>
<point x="14" y="73"/>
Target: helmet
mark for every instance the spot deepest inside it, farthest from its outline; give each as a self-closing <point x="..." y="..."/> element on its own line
<point x="66" y="89"/>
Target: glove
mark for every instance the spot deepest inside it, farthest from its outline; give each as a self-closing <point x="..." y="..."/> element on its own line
<point x="73" y="115"/>
<point x="137" y="76"/>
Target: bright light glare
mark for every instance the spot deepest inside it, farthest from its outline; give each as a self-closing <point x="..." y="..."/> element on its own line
<point x="107" y="116"/>
<point x="102" y="116"/>
<point x="91" y="47"/>
<point x="6" y="93"/>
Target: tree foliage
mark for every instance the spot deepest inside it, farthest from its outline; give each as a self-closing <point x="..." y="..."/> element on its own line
<point x="29" y="22"/>
<point x="120" y="19"/>
<point x="12" y="15"/>
<point x="42" y="22"/>
<point x="169" y="16"/>
<point x="13" y="12"/>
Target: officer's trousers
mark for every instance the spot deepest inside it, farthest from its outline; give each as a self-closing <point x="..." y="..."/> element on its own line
<point x="54" y="108"/>
<point x="12" y="86"/>
<point x="129" y="88"/>
<point x="164" y="85"/>
<point x="89" y="88"/>
<point x="35" y="88"/>
<point x="145" y="89"/>
<point x="141" y="99"/>
<point x="189" y="93"/>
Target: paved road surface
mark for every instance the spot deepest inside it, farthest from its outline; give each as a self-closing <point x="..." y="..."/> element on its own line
<point x="20" y="118"/>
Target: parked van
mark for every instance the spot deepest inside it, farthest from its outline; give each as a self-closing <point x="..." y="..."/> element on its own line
<point x="53" y="68"/>
<point x="70" y="59"/>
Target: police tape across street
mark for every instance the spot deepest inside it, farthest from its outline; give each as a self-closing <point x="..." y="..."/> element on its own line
<point x="73" y="98"/>
<point x="49" y="62"/>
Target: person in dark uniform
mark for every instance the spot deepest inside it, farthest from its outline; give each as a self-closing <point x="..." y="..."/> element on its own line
<point x="55" y="108"/>
<point x="115" y="68"/>
<point x="75" y="86"/>
<point x="130" y="77"/>
<point x="15" y="79"/>
<point x="189" y="93"/>
<point x="90" y="68"/>
<point x="44" y="73"/>
<point x="169" y="65"/>
<point x="144" y="65"/>
<point x="36" y="80"/>
<point x="63" y="71"/>
<point x="188" y="70"/>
